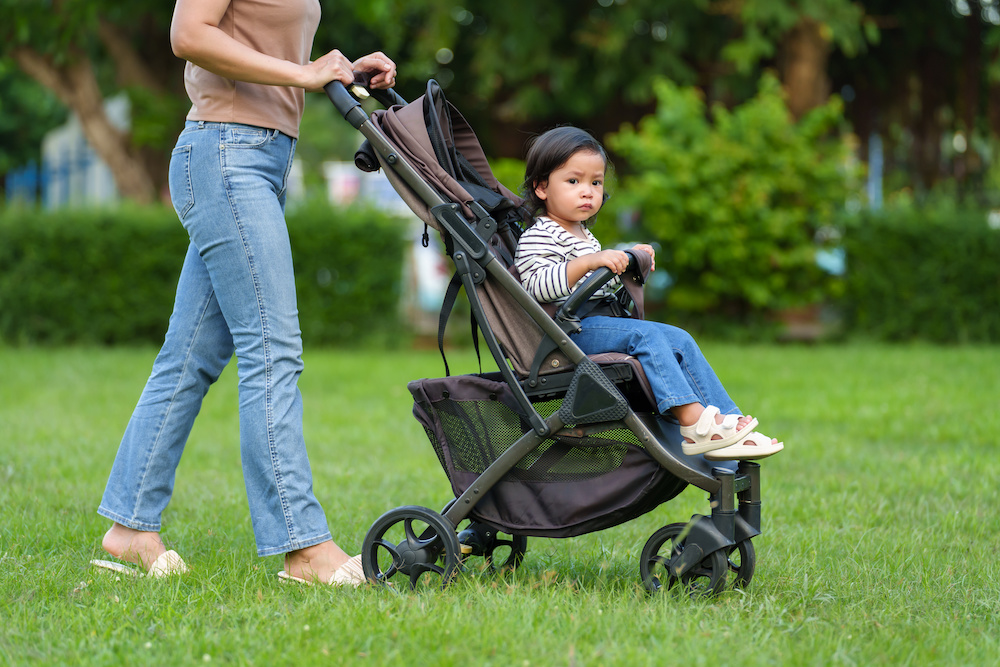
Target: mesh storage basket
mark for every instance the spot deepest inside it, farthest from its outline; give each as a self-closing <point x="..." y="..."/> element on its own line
<point x="575" y="482"/>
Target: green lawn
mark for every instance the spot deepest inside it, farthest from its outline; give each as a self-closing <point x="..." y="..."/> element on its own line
<point x="880" y="537"/>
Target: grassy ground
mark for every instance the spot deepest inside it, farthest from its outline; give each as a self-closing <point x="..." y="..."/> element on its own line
<point x="879" y="545"/>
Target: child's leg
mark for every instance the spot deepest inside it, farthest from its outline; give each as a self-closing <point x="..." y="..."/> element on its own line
<point x="678" y="372"/>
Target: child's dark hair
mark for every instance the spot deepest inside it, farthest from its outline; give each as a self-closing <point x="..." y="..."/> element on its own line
<point x="551" y="150"/>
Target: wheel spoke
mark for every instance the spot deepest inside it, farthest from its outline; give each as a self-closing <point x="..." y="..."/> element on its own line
<point x="665" y="562"/>
<point x="397" y="560"/>
<point x="419" y="569"/>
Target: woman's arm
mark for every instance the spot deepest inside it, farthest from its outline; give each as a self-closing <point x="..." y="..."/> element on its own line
<point x="195" y="36"/>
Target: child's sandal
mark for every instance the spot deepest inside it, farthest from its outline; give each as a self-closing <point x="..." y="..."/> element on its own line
<point x="706" y="435"/>
<point x="753" y="446"/>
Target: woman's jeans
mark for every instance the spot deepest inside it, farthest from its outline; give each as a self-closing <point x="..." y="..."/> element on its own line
<point x="677" y="371"/>
<point x="236" y="293"/>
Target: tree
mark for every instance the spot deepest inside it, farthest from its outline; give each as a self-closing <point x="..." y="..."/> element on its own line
<point x="798" y="36"/>
<point x="26" y="114"/>
<point x="930" y="88"/>
<point x="78" y="50"/>
<point x="519" y="66"/>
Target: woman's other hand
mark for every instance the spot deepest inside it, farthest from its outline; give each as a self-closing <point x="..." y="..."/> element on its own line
<point x="380" y="68"/>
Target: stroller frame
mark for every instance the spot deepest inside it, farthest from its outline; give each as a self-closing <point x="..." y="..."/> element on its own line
<point x="699" y="554"/>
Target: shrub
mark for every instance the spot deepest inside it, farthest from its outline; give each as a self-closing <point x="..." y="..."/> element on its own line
<point x="926" y="273"/>
<point x="734" y="197"/>
<point x="109" y="275"/>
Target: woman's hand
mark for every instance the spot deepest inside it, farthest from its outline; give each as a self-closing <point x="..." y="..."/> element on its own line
<point x="333" y="66"/>
<point x="379" y="67"/>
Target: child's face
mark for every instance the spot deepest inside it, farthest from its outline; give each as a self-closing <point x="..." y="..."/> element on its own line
<point x="575" y="190"/>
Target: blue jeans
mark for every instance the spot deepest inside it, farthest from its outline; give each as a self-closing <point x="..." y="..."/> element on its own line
<point x="236" y="293"/>
<point x="677" y="371"/>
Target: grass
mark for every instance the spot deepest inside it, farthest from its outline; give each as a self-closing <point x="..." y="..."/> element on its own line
<point x="879" y="545"/>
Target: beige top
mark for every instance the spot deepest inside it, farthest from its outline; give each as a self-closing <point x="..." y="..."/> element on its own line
<point x="281" y="28"/>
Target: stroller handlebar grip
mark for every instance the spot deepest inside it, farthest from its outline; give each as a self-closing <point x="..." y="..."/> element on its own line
<point x="597" y="279"/>
<point x="347" y="99"/>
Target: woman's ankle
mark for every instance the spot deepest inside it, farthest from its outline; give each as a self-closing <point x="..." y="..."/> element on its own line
<point x="133" y="546"/>
<point x="316" y="562"/>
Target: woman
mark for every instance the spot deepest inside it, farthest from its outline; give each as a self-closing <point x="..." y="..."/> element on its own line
<point x="247" y="71"/>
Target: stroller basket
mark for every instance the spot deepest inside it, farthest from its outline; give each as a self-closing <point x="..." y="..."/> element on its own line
<point x="575" y="482"/>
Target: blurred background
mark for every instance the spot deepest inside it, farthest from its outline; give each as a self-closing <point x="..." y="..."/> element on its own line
<point x="809" y="170"/>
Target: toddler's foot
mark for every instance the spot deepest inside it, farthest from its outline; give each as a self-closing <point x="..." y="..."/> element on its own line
<point x="705" y="429"/>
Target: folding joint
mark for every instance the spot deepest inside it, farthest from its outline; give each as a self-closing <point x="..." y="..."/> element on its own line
<point x="468" y="268"/>
<point x="451" y="218"/>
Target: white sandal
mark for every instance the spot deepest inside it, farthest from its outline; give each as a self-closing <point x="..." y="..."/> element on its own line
<point x="168" y="563"/>
<point x="351" y="573"/>
<point x="702" y="434"/>
<point x="754" y="446"/>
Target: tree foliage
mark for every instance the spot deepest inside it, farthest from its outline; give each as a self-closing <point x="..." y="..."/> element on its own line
<point x="913" y="72"/>
<point x="736" y="196"/>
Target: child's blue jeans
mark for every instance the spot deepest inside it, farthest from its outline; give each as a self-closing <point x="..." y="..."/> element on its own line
<point x="677" y="371"/>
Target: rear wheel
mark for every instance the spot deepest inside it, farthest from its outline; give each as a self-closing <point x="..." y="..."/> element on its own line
<point x="705" y="579"/>
<point x="499" y="553"/>
<point x="412" y="543"/>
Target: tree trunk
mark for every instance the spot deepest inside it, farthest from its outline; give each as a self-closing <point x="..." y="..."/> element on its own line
<point x="805" y="52"/>
<point x="75" y="84"/>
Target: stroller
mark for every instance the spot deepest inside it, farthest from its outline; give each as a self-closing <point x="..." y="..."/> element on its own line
<point x="555" y="443"/>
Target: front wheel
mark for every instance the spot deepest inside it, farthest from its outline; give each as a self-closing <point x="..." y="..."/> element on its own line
<point x="706" y="579"/>
<point x="742" y="562"/>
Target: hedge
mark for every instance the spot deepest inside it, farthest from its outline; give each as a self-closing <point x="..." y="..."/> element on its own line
<point x="923" y="274"/>
<point x="108" y="275"/>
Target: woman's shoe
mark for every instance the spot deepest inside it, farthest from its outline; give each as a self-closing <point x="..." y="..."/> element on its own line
<point x="350" y="573"/>
<point x="167" y="564"/>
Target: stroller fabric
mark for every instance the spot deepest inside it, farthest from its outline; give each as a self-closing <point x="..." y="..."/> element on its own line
<point x="574" y="483"/>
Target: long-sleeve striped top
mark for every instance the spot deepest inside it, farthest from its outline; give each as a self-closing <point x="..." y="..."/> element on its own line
<point x="542" y="254"/>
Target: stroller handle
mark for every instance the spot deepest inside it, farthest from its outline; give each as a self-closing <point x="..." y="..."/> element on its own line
<point x="595" y="281"/>
<point x="347" y="99"/>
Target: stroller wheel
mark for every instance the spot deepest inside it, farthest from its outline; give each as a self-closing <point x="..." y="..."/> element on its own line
<point x="704" y="580"/>
<point x="481" y="539"/>
<point x="415" y="542"/>
<point x="742" y="561"/>
<point x="514" y="549"/>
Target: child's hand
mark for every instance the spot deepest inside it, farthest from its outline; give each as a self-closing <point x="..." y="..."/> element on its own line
<point x="616" y="260"/>
<point x="649" y="249"/>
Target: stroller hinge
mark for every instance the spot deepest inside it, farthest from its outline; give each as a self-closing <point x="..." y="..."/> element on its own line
<point x="450" y="217"/>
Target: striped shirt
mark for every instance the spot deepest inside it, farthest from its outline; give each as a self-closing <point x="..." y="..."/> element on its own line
<point x="541" y="258"/>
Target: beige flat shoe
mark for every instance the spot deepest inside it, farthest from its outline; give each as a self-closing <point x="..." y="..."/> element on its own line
<point x="351" y="573"/>
<point x="167" y="564"/>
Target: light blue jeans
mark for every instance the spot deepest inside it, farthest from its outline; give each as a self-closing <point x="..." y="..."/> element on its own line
<point x="677" y="371"/>
<point x="236" y="293"/>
